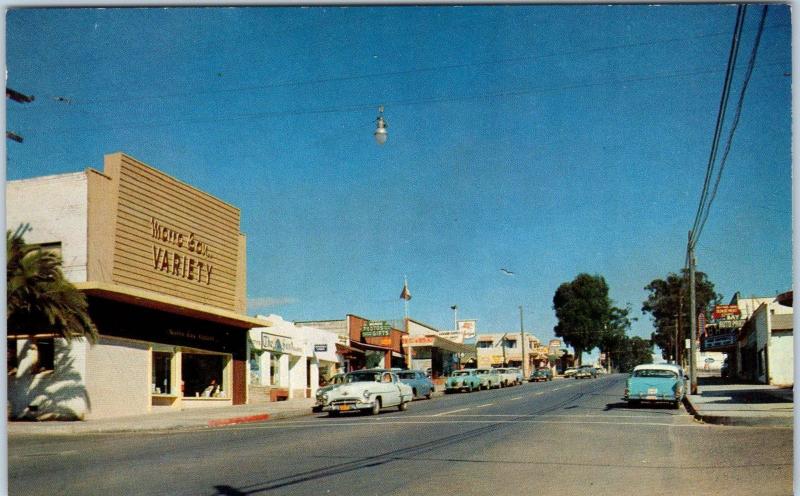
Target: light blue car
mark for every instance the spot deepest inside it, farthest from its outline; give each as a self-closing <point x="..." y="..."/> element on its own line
<point x="420" y="383"/>
<point x="656" y="383"/>
<point x="463" y="380"/>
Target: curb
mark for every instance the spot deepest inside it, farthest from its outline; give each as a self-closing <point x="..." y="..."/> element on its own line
<point x="238" y="420"/>
<point x="728" y="420"/>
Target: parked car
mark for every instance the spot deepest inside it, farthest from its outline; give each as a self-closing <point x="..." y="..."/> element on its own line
<point x="586" y="372"/>
<point x="569" y="372"/>
<point x="508" y="377"/>
<point x="463" y="380"/>
<point x="367" y="391"/>
<point x="541" y="374"/>
<point x="335" y="380"/>
<point x="656" y="383"/>
<point x="421" y="384"/>
<point x="518" y="377"/>
<point x="490" y="378"/>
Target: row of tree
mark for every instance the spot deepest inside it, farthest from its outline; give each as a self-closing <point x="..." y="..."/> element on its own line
<point x="588" y="319"/>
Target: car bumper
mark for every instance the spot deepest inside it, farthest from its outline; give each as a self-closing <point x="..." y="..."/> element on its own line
<point x="348" y="405"/>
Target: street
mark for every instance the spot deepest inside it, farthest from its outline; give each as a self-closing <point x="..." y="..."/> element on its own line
<point x="564" y="436"/>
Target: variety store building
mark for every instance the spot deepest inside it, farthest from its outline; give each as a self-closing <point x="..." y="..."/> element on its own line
<point x="163" y="266"/>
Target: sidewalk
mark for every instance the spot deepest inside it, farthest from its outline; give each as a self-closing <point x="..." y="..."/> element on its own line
<point x="183" y="419"/>
<point x="741" y="404"/>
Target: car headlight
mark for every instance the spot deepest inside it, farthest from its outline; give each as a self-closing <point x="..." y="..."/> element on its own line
<point x="366" y="394"/>
<point x="325" y="397"/>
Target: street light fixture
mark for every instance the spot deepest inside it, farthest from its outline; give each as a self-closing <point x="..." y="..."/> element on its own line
<point x="381" y="132"/>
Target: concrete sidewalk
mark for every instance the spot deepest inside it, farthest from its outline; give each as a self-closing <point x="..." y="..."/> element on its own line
<point x="184" y="419"/>
<point x="718" y="402"/>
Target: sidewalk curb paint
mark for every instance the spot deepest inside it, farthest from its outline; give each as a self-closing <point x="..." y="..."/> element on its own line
<point x="238" y="420"/>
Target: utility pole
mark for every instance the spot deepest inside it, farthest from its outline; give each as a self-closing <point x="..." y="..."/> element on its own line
<point x="522" y="334"/>
<point x="692" y="319"/>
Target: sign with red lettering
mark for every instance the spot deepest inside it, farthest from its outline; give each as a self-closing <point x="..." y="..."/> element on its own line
<point x="723" y="311"/>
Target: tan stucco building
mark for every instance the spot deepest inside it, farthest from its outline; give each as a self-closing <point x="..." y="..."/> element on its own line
<point x="163" y="266"/>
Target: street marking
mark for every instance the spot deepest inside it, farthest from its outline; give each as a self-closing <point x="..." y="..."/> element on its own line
<point x="447" y="413"/>
<point x="516" y="398"/>
<point x="483" y="406"/>
<point x="537" y="394"/>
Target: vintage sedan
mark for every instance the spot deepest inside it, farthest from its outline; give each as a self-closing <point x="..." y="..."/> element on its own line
<point x="570" y="372"/>
<point x="367" y="391"/>
<point x="335" y="380"/>
<point x="421" y="384"/>
<point x="586" y="372"/>
<point x="462" y="380"/>
<point x="656" y="383"/>
<point x="541" y="374"/>
<point x="490" y="378"/>
<point x="508" y="376"/>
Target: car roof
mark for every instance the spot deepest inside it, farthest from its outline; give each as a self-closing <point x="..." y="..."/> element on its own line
<point x="657" y="366"/>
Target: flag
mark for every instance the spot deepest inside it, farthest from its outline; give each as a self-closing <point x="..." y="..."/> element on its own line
<point x="405" y="294"/>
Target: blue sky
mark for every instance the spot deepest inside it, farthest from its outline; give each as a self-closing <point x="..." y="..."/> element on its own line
<point x="547" y="140"/>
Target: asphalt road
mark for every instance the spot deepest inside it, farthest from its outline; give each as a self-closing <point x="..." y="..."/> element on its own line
<point x="561" y="437"/>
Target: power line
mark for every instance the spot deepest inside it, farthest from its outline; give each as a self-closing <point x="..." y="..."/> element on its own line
<point x="404" y="103"/>
<point x="720" y="118"/>
<point x="739" y="104"/>
<point x="332" y="79"/>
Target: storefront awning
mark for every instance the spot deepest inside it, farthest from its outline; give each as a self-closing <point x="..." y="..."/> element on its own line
<point x="346" y="350"/>
<point x="438" y="342"/>
<point x="369" y="347"/>
<point x="169" y="304"/>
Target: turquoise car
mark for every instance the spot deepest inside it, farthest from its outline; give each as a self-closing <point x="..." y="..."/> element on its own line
<point x="656" y="383"/>
<point x="463" y="380"/>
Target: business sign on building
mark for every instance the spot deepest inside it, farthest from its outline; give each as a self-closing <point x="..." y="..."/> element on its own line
<point x="418" y="340"/>
<point x="455" y="336"/>
<point x="725" y="311"/>
<point x="320" y="348"/>
<point x="376" y="329"/>
<point x="279" y="344"/>
<point x="169" y="237"/>
<point x="467" y="328"/>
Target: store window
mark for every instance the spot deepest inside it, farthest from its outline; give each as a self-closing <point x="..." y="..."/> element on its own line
<point x="45" y="352"/>
<point x="162" y="373"/>
<point x="275" y="369"/>
<point x="12" y="359"/>
<point x="203" y="375"/>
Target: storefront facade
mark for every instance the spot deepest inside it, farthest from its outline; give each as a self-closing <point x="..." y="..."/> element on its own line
<point x="163" y="267"/>
<point x="428" y="351"/>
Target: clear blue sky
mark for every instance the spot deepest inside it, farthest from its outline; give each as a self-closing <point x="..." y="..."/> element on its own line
<point x="547" y="140"/>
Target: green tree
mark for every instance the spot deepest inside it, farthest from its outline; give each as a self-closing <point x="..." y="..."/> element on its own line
<point x="668" y="306"/>
<point x="40" y="299"/>
<point x="634" y="351"/>
<point x="615" y="332"/>
<point x="583" y="310"/>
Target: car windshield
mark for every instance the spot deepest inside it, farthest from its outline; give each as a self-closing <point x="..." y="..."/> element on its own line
<point x="337" y="379"/>
<point x="362" y="377"/>
<point x="406" y="375"/>
<point x="460" y="373"/>
<point x="667" y="374"/>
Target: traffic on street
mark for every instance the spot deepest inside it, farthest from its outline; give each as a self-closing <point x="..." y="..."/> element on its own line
<point x="577" y="435"/>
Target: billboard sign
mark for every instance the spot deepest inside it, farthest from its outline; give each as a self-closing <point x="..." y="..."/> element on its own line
<point x="467" y="328"/>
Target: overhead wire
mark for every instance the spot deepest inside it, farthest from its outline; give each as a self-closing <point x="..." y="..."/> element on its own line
<point x="735" y="124"/>
<point x="732" y="55"/>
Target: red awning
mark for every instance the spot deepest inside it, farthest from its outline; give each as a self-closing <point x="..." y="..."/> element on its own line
<point x="346" y="350"/>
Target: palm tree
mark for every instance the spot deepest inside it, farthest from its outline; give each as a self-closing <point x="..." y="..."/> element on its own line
<point x="40" y="299"/>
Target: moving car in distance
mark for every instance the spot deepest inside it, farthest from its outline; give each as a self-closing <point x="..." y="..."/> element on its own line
<point x="586" y="372"/>
<point x="367" y="391"/>
<point x="490" y="379"/>
<point x="541" y="374"/>
<point x="463" y="380"/>
<point x="656" y="383"/>
<point x="421" y="385"/>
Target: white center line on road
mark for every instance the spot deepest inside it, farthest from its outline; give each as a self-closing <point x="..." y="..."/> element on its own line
<point x="447" y="413"/>
<point x="516" y="398"/>
<point x="537" y="394"/>
<point x="483" y="406"/>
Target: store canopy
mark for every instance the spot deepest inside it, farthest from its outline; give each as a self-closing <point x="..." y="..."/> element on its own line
<point x="169" y="304"/>
<point x="438" y="342"/>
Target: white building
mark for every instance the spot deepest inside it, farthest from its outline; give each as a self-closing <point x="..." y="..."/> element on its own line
<point x="765" y="348"/>
<point x="286" y="360"/>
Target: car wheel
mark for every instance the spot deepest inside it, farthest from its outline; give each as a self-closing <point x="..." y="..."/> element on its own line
<point x="633" y="403"/>
<point x="414" y="393"/>
<point x="676" y="404"/>
<point x="430" y="393"/>
<point x="403" y="406"/>
<point x="376" y="407"/>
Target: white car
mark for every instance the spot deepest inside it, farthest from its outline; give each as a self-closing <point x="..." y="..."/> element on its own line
<point x="509" y="376"/>
<point x="367" y="391"/>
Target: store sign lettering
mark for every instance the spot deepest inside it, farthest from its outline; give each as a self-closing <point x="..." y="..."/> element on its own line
<point x="184" y="265"/>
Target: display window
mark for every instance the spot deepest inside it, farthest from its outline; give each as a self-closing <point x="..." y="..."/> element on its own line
<point x="204" y="375"/>
<point x="162" y="373"/>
